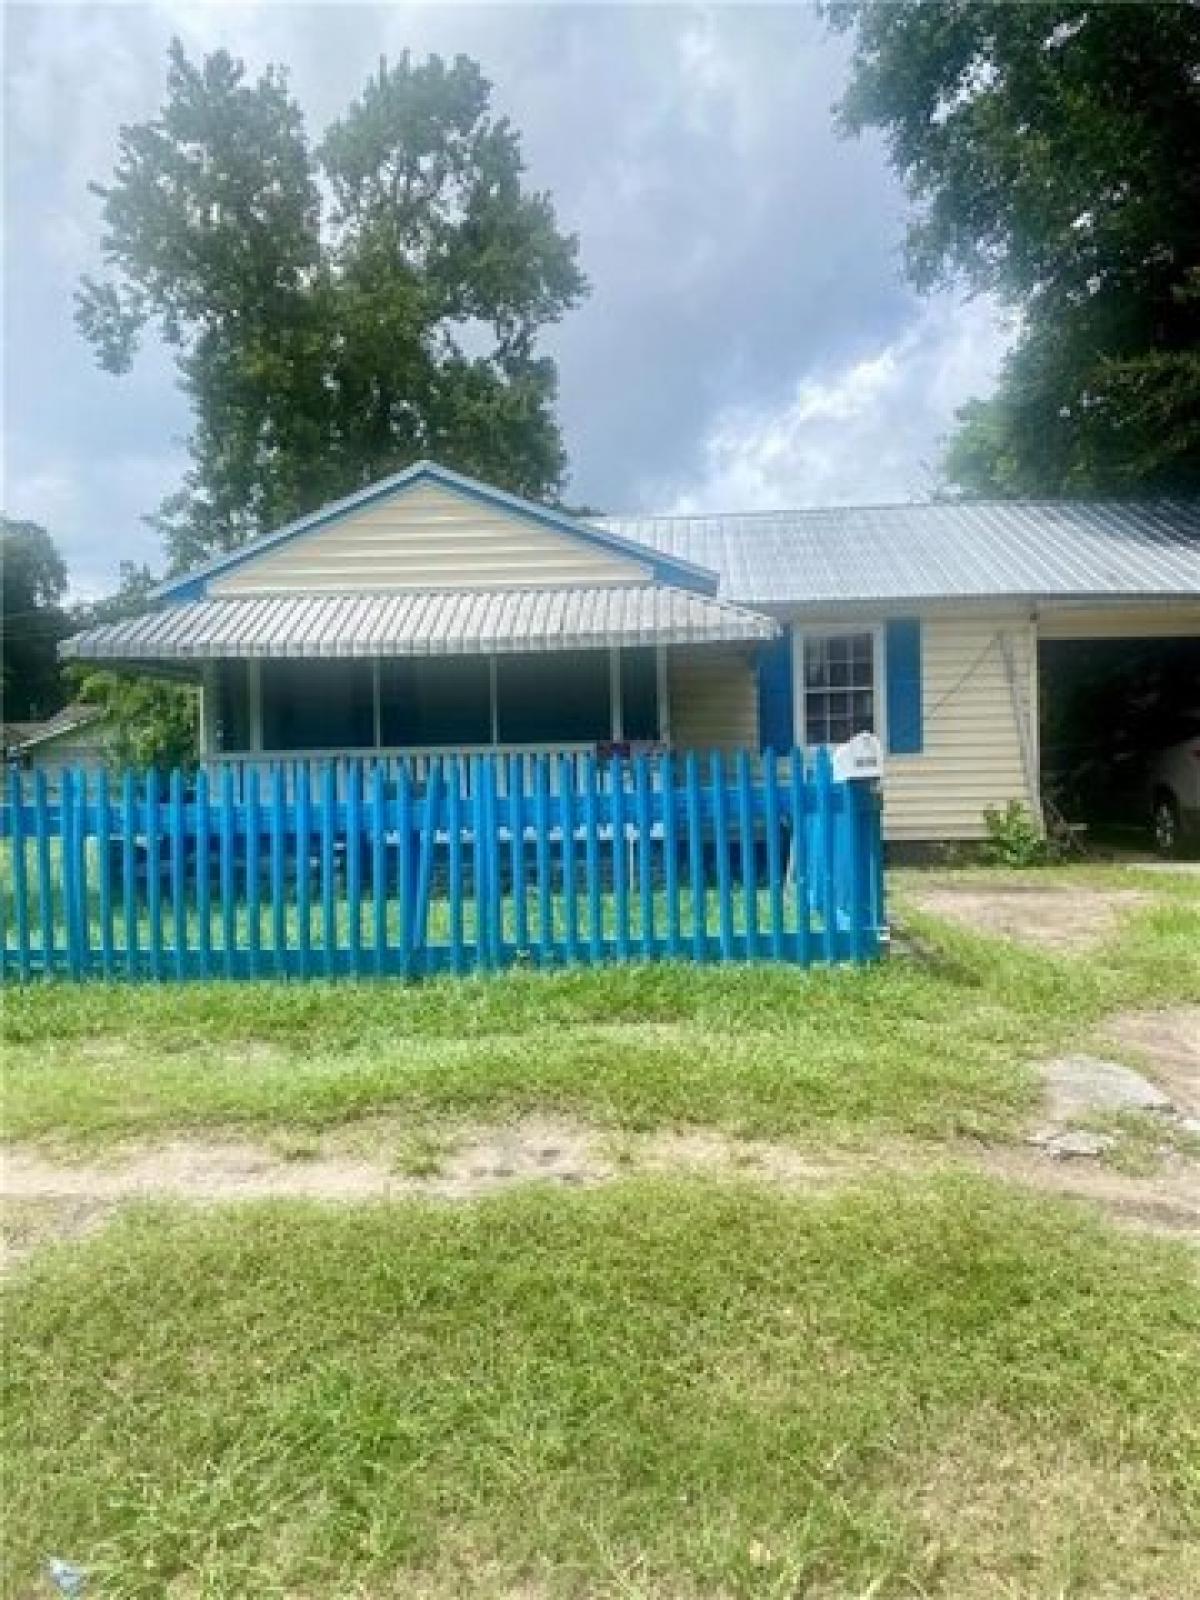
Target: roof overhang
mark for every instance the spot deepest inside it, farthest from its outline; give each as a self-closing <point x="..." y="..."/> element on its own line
<point x="445" y="622"/>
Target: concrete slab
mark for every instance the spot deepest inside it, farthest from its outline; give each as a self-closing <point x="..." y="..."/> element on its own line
<point x="1085" y="1086"/>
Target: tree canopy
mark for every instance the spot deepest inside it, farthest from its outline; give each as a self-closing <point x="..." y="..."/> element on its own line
<point x="337" y="311"/>
<point x="1052" y="155"/>
<point x="33" y="581"/>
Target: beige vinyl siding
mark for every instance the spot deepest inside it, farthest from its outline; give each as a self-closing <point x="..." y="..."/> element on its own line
<point x="1122" y="622"/>
<point x="713" y="697"/>
<point x="428" y="538"/>
<point x="972" y="757"/>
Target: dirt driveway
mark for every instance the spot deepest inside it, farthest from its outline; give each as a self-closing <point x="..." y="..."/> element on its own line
<point x="1052" y="916"/>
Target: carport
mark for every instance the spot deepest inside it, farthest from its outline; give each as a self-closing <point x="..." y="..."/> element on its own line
<point x="1119" y="716"/>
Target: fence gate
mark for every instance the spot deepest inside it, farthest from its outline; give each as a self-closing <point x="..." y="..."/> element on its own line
<point x="478" y="864"/>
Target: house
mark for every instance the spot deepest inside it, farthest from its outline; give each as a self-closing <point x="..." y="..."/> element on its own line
<point x="430" y="613"/>
<point x="75" y="736"/>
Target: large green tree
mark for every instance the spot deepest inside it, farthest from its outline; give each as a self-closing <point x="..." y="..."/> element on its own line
<point x="338" y="311"/>
<point x="33" y="581"/>
<point x="1052" y="155"/>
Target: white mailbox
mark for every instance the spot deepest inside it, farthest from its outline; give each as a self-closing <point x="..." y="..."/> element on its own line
<point x="860" y="757"/>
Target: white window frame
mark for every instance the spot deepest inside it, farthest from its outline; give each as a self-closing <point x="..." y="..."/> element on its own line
<point x="830" y="630"/>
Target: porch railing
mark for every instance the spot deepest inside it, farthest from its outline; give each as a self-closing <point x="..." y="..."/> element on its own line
<point x="478" y="865"/>
<point x="416" y="761"/>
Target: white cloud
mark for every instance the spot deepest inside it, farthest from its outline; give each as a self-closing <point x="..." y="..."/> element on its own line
<point x="869" y="431"/>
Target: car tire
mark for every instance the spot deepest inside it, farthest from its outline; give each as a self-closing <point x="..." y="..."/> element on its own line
<point x="1164" y="824"/>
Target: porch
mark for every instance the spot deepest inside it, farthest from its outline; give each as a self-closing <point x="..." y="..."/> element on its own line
<point x="521" y="710"/>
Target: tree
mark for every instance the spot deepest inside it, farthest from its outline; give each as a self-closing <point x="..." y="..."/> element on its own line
<point x="1052" y="154"/>
<point x="149" y="722"/>
<point x="338" y="313"/>
<point x="33" y="580"/>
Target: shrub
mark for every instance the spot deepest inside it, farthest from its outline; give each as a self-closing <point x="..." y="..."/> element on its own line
<point x="1014" y="838"/>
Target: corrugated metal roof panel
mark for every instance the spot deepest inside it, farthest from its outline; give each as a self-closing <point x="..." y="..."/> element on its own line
<point x="447" y="622"/>
<point x="1065" y="551"/>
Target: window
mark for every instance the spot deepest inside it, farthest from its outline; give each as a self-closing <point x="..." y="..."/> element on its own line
<point x="551" y="699"/>
<point x="233" y="706"/>
<point x="317" y="705"/>
<point x="435" y="701"/>
<point x="639" y="693"/>
<point x="839" y="686"/>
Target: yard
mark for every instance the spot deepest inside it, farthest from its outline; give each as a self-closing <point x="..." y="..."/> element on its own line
<point x="655" y="1282"/>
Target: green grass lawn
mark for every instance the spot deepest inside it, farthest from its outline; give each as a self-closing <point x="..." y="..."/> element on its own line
<point x="661" y="1389"/>
<point x="934" y="1048"/>
<point x="658" y="1389"/>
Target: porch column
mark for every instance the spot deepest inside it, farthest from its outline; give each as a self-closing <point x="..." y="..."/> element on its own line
<point x="254" y="689"/>
<point x="376" y="707"/>
<point x="616" y="710"/>
<point x="208" y="709"/>
<point x="662" y="686"/>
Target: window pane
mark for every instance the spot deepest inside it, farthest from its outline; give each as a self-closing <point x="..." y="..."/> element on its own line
<point x="561" y="698"/>
<point x="233" y="706"/>
<point x="639" y="693"/>
<point x="318" y="705"/>
<point x="436" y="701"/>
<point x="839" y="675"/>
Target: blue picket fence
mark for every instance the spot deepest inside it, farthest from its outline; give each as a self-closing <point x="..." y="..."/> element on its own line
<point x="464" y="869"/>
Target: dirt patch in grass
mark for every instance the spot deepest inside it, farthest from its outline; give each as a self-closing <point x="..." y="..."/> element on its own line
<point x="44" y="1198"/>
<point x="1051" y="916"/>
<point x="1167" y="1044"/>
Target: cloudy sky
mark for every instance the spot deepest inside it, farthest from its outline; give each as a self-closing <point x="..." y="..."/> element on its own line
<point x="749" y="341"/>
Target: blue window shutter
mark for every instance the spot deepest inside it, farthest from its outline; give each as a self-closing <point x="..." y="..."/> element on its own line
<point x="905" y="730"/>
<point x="775" y="695"/>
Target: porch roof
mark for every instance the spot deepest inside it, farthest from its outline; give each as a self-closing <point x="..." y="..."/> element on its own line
<point x="424" y="622"/>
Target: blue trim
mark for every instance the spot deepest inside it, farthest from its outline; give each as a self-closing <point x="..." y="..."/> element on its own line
<point x="776" y="695"/>
<point x="665" y="569"/>
<point x="905" y="717"/>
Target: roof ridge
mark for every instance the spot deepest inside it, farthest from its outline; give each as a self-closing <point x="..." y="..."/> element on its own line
<point x="1107" y="503"/>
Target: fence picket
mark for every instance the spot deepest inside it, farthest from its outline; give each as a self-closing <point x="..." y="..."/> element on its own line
<point x="747" y="853"/>
<point x="798" y="864"/>
<point x="253" y="874"/>
<point x="20" y="875"/>
<point x="670" y="851"/>
<point x="68" y="860"/>
<point x="770" y="782"/>
<point x="645" y="857"/>
<point x="154" y="872"/>
<point x="721" y="847"/>
<point x="278" y="883"/>
<point x="454" y="845"/>
<point x="828" y="846"/>
<point x="129" y="874"/>
<point x="591" y="859"/>
<point x="516" y="850"/>
<point x="302" y="794"/>
<point x="203" y="876"/>
<point x="696" y="885"/>
<point x="541" y="823"/>
<point x="45" y="884"/>
<point x="379" y="886"/>
<point x="567" y="824"/>
<point x="228" y="870"/>
<point x="328" y="868"/>
<point x="354" y="844"/>
<point x="495" y="887"/>
<point x="178" y="879"/>
<point x="616" y="817"/>
<point x="404" y="883"/>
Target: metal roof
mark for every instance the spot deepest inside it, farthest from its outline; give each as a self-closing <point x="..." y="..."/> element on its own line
<point x="20" y="736"/>
<point x="1049" y="551"/>
<point x="426" y="622"/>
